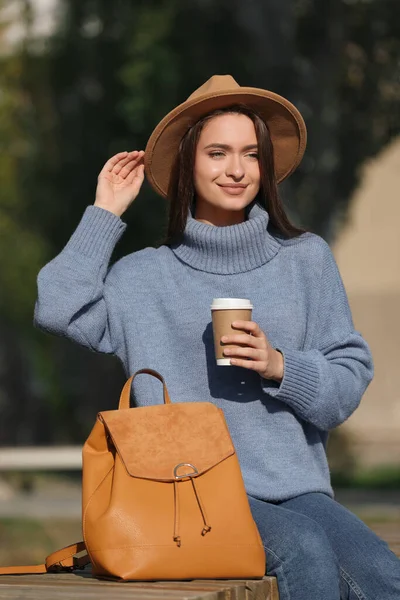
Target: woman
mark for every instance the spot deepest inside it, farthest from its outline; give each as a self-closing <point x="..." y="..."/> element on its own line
<point x="299" y="369"/>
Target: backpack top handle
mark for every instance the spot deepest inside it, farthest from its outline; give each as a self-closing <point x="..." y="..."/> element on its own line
<point x="124" y="401"/>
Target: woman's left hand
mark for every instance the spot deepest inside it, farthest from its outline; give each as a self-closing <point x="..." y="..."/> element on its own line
<point x="264" y="359"/>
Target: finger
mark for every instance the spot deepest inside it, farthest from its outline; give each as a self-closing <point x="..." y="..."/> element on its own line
<point x="137" y="173"/>
<point x="238" y="352"/>
<point x="130" y="167"/>
<point x="248" y="326"/>
<point x="113" y="161"/>
<point x="245" y="338"/>
<point x="134" y="155"/>
<point x="127" y="168"/>
<point x="248" y="364"/>
<point x="116" y="167"/>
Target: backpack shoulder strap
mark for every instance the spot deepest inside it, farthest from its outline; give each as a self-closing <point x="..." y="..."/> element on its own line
<point x="61" y="560"/>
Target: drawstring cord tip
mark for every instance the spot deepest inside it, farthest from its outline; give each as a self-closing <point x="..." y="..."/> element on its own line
<point x="206" y="528"/>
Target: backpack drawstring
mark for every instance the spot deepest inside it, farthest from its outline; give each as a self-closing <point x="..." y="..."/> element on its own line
<point x="206" y="528"/>
<point x="177" y="538"/>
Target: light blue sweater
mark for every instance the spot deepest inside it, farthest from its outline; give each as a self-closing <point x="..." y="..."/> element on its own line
<point x="152" y="310"/>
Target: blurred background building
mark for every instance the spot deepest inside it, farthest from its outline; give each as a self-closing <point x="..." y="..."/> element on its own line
<point x="368" y="254"/>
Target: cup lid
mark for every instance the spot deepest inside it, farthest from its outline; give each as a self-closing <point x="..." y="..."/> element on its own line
<point x="224" y="303"/>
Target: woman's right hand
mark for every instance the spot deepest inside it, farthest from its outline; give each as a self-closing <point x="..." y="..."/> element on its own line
<point x="119" y="181"/>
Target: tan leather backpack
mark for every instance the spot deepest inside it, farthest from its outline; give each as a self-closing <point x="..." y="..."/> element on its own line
<point x="163" y="497"/>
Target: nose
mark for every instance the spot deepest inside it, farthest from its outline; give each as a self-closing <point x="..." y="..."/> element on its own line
<point x="234" y="167"/>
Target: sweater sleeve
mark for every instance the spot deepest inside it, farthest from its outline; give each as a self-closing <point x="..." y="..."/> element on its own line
<point x="73" y="287"/>
<point x="324" y="384"/>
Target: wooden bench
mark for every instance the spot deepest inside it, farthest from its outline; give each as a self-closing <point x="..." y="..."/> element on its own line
<point x="390" y="532"/>
<point x="79" y="585"/>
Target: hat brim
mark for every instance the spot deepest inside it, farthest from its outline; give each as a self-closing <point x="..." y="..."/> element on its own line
<point x="286" y="125"/>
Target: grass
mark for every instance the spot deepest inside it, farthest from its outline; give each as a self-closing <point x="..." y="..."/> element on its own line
<point x="29" y="541"/>
<point x="382" y="478"/>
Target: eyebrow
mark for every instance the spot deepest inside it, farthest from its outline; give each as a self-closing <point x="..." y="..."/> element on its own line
<point x="227" y="147"/>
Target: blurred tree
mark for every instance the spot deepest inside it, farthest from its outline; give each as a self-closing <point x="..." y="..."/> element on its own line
<point x="22" y="251"/>
<point x="71" y="89"/>
<point x="348" y="55"/>
<point x="99" y="84"/>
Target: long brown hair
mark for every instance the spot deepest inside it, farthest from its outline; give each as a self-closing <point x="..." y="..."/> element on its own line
<point x="181" y="192"/>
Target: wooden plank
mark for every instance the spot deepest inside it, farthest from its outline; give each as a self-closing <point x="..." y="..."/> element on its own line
<point x="120" y="591"/>
<point x="390" y="532"/>
<point x="260" y="589"/>
<point x="80" y="586"/>
<point x="75" y="579"/>
<point x="63" y="593"/>
<point x="230" y="590"/>
<point x="272" y="592"/>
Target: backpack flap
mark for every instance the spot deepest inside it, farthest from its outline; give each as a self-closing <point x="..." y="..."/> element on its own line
<point x="152" y="441"/>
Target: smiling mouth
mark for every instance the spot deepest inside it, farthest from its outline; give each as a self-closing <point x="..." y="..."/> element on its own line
<point x="233" y="185"/>
<point x="233" y="189"/>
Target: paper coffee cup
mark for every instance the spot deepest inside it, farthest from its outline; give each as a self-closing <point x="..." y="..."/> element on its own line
<point x="224" y="311"/>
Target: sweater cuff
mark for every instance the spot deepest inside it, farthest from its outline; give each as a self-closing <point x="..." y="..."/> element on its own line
<point x="97" y="233"/>
<point x="300" y="384"/>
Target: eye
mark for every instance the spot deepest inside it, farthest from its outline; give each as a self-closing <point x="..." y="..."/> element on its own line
<point x="254" y="155"/>
<point x="216" y="153"/>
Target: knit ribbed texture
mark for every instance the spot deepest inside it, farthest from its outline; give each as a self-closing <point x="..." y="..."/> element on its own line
<point x="230" y="249"/>
<point x="103" y="230"/>
<point x="300" y="384"/>
<point x="152" y="310"/>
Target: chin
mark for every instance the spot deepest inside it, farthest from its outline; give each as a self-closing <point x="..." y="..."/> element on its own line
<point x="235" y="203"/>
<point x="221" y="201"/>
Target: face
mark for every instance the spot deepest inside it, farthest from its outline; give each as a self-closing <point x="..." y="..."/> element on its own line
<point x="226" y="171"/>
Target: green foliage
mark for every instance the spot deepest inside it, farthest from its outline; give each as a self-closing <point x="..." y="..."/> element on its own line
<point x="149" y="75"/>
<point x="22" y="251"/>
<point x="29" y="541"/>
<point x="378" y="478"/>
<point x="99" y="84"/>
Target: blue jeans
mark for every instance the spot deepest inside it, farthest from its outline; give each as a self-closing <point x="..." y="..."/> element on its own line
<point x="319" y="550"/>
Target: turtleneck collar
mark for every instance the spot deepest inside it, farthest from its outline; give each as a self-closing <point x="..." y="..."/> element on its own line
<point x="229" y="249"/>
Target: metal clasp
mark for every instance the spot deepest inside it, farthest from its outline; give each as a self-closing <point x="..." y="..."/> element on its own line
<point x="195" y="471"/>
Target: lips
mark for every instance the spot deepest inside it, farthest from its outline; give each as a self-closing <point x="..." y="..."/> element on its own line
<point x="233" y="190"/>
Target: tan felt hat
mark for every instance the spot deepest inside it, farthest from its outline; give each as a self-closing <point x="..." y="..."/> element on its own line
<point x="286" y="126"/>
